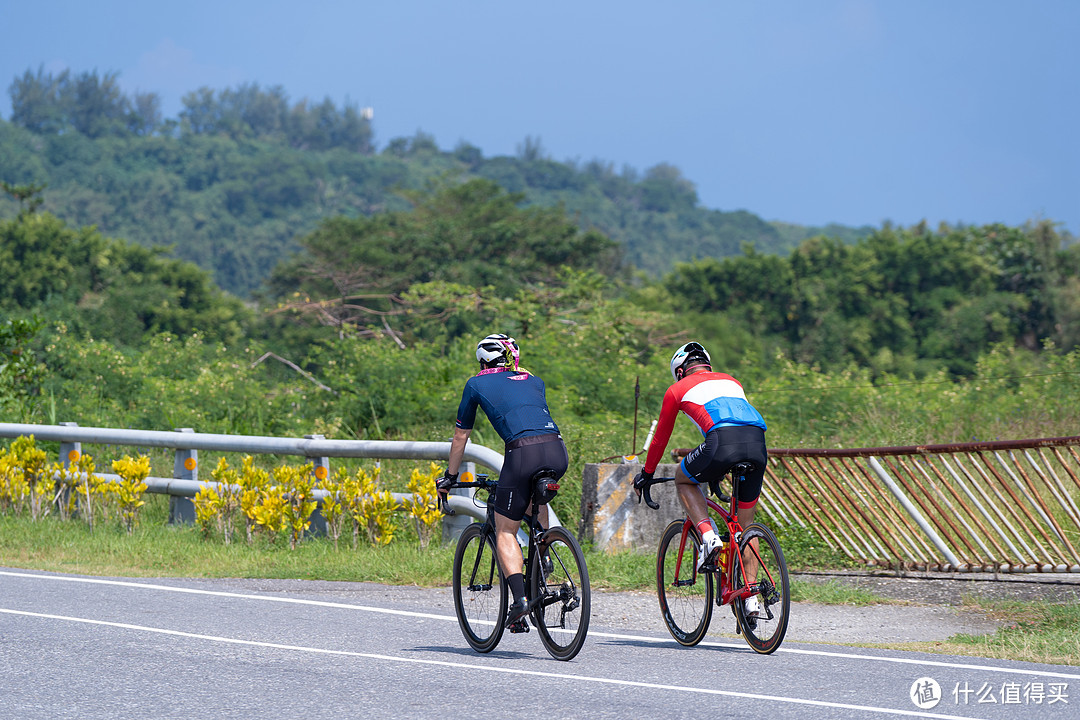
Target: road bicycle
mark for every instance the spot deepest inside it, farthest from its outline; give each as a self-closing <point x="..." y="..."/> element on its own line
<point x="556" y="579"/>
<point x="756" y="569"/>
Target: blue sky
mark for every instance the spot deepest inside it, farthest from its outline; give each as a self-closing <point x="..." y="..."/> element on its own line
<point x="848" y="111"/>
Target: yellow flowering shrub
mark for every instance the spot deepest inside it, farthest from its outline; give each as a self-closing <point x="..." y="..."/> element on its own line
<point x="252" y="482"/>
<point x="129" y="490"/>
<point x="297" y="483"/>
<point x="423" y="508"/>
<point x="334" y="504"/>
<point x="36" y="482"/>
<point x="371" y="508"/>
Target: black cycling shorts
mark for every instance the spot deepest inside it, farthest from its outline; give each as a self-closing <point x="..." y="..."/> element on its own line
<point x="725" y="446"/>
<point x="513" y="495"/>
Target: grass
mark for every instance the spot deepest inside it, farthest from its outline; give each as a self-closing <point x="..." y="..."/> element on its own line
<point x="833" y="593"/>
<point x="1038" y="632"/>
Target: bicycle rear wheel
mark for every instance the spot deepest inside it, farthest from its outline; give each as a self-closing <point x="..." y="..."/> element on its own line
<point x="480" y="596"/>
<point x="763" y="634"/>
<point x="686" y="596"/>
<point x="560" y="589"/>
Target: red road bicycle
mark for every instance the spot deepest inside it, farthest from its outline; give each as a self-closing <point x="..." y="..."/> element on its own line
<point x="751" y="565"/>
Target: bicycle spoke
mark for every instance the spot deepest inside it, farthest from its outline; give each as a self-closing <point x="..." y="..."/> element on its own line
<point x="480" y="598"/>
<point x="560" y="592"/>
<point x="685" y="595"/>
<point x="763" y="570"/>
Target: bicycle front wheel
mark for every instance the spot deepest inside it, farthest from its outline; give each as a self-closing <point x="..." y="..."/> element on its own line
<point x="686" y="596"/>
<point x="764" y="566"/>
<point x="559" y="585"/>
<point x="480" y="596"/>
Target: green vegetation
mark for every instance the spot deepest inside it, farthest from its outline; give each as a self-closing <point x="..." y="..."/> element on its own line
<point x="899" y="302"/>
<point x="832" y="593"/>
<point x="1038" y="632"/>
<point x="242" y="173"/>
<point x="161" y="550"/>
<point x="377" y="321"/>
<point x="367" y="278"/>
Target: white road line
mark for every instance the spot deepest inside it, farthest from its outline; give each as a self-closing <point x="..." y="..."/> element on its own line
<point x="489" y="668"/>
<point x="593" y="634"/>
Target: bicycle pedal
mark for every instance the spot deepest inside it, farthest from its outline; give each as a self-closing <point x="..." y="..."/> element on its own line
<point x="521" y="626"/>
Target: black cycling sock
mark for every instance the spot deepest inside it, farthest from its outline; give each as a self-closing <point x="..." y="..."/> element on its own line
<point x="517" y="586"/>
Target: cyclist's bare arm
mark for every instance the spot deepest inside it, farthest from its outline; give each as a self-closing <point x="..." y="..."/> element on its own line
<point x="457" y="450"/>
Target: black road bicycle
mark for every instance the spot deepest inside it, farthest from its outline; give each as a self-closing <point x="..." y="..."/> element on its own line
<point x="556" y="579"/>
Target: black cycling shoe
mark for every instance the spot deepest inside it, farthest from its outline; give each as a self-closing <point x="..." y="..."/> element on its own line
<point x="546" y="565"/>
<point x="515" y="616"/>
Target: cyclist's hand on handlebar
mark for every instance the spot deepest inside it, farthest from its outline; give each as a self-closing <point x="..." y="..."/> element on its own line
<point x="443" y="484"/>
<point x="442" y="487"/>
<point x="642" y="481"/>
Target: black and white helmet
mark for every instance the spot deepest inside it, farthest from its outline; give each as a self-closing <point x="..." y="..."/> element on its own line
<point x="498" y="350"/>
<point x="689" y="355"/>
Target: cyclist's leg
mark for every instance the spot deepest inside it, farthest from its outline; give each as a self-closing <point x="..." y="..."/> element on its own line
<point x="692" y="471"/>
<point x="513" y="496"/>
<point x="525" y="462"/>
<point x="509" y="499"/>
<point x="510" y="559"/>
<point x="691" y="497"/>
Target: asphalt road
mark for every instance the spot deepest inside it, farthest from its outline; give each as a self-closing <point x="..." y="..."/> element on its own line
<point x="81" y="647"/>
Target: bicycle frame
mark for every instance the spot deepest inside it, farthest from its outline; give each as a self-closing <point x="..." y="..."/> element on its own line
<point x="556" y="580"/>
<point x="535" y="535"/>
<point x="726" y="592"/>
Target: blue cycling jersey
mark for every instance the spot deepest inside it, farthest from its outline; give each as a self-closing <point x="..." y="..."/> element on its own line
<point x="513" y="401"/>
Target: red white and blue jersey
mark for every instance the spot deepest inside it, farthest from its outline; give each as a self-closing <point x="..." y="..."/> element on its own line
<point x="711" y="400"/>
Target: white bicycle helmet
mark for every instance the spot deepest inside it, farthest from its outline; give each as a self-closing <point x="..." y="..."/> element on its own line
<point x="690" y="354"/>
<point x="498" y="350"/>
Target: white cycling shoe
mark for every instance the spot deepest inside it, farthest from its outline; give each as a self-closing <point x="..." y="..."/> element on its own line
<point x="708" y="552"/>
<point x="753" y="608"/>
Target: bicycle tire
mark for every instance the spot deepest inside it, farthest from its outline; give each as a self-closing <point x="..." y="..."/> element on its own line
<point x="764" y="635"/>
<point x="562" y="596"/>
<point x="480" y="595"/>
<point x="686" y="597"/>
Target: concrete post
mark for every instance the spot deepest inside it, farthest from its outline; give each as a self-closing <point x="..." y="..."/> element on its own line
<point x="454" y="525"/>
<point x="70" y="452"/>
<point x="612" y="518"/>
<point x="321" y="471"/>
<point x="185" y="467"/>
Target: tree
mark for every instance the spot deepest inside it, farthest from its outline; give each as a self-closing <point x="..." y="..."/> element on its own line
<point x="666" y="190"/>
<point x="473" y="234"/>
<point x="20" y="371"/>
<point x="95" y="105"/>
<point x="144" y="117"/>
<point x="29" y="196"/>
<point x="36" y="101"/>
<point x="108" y="288"/>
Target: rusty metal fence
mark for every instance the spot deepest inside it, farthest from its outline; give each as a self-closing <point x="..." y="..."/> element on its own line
<point x="971" y="507"/>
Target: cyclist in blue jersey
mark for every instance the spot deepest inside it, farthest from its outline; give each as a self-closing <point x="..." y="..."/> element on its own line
<point x="514" y="401"/>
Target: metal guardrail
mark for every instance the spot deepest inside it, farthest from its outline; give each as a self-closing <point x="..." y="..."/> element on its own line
<point x="1010" y="506"/>
<point x="186" y="443"/>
